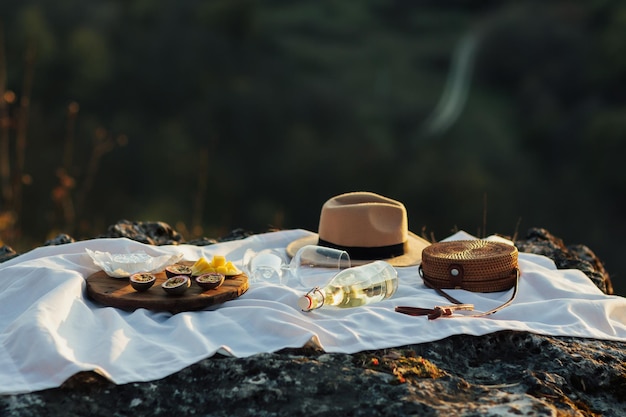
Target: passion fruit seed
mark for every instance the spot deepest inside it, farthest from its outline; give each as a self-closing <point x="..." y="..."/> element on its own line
<point x="143" y="277"/>
<point x="172" y="282"/>
<point x="211" y="278"/>
<point x="180" y="268"/>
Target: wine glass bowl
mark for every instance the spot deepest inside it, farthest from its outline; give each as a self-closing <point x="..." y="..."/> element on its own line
<point x="265" y="266"/>
<point x="312" y="263"/>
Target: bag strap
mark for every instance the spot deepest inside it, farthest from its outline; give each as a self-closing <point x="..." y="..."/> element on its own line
<point x="447" y="311"/>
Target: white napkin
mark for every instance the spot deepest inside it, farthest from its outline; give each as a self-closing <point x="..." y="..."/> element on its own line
<point x="49" y="329"/>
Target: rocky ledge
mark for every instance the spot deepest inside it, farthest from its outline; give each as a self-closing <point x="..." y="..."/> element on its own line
<point x="502" y="374"/>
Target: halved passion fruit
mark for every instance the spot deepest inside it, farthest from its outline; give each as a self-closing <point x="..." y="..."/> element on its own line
<point x="142" y="281"/>
<point x="174" y="270"/>
<point x="176" y="285"/>
<point x="210" y="281"/>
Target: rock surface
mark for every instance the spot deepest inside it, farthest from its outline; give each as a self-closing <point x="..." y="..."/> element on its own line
<point x="501" y="374"/>
<point x="542" y="242"/>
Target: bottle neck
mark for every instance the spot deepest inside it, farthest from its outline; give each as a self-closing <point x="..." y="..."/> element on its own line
<point x="312" y="300"/>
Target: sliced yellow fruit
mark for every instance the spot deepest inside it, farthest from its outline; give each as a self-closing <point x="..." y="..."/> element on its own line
<point x="231" y="269"/>
<point x="219" y="260"/>
<point x="199" y="266"/>
<point x="218" y="264"/>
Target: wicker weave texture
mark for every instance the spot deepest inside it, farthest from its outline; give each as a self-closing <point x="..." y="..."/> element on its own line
<point x="474" y="265"/>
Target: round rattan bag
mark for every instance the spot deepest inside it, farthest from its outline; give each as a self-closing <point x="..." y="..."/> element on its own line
<point x="473" y="265"/>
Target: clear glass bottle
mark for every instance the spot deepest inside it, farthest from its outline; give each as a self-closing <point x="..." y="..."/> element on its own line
<point x="354" y="287"/>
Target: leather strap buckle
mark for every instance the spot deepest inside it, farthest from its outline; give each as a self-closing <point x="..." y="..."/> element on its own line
<point x="456" y="275"/>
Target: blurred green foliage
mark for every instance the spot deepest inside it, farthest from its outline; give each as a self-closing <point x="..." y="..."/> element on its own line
<point x="212" y="115"/>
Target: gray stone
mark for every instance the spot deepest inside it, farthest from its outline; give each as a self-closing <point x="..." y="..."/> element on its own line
<point x="6" y="253"/>
<point x="152" y="233"/>
<point x="542" y="242"/>
<point x="60" y="239"/>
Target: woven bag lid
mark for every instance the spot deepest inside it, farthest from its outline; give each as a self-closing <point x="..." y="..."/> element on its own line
<point x="475" y="265"/>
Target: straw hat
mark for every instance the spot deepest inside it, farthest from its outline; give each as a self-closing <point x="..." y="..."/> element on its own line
<point x="369" y="227"/>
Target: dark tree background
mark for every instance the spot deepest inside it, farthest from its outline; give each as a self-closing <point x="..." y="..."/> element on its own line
<point x="491" y="116"/>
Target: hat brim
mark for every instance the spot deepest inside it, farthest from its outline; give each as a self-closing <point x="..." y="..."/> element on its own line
<point x="412" y="257"/>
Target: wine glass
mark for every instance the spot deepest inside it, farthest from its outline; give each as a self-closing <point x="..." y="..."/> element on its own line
<point x="314" y="265"/>
<point x="267" y="265"/>
<point x="310" y="266"/>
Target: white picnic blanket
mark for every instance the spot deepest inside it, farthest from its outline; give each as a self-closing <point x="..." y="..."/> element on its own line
<point x="50" y="330"/>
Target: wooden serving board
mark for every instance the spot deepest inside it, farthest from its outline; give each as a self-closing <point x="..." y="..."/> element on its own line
<point x="117" y="292"/>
